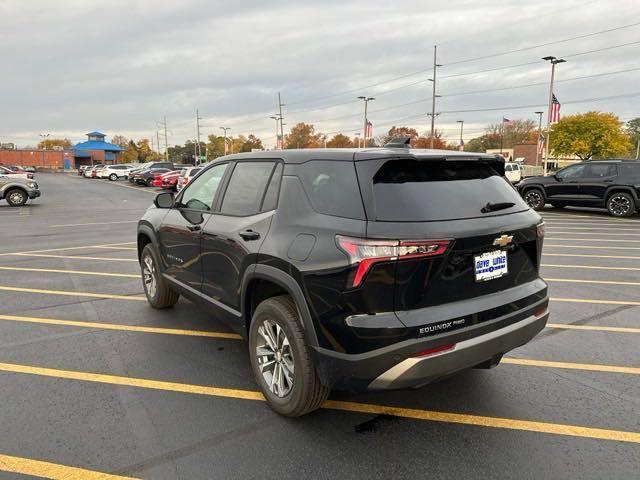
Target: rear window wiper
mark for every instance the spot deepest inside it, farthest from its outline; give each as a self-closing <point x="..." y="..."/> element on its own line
<point x="492" y="207"/>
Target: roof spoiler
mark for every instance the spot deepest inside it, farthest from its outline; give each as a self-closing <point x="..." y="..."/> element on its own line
<point x="403" y="141"/>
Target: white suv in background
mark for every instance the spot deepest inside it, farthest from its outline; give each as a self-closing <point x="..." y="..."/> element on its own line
<point x="185" y="175"/>
<point x="513" y="172"/>
<point x="113" y="172"/>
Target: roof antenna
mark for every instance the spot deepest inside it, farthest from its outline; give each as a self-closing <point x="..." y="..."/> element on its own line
<point x="403" y="141"/>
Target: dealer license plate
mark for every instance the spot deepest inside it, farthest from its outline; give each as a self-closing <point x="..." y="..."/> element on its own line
<point x="490" y="265"/>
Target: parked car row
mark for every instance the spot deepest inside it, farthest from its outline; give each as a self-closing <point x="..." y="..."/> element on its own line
<point x="15" y="171"/>
<point x="165" y="175"/>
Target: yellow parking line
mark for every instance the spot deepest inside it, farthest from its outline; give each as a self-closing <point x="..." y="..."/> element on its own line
<point x="72" y="294"/>
<point x="93" y="223"/>
<point x="604" y="234"/>
<point x="594" y="328"/>
<point x="108" y="259"/>
<point x="594" y="301"/>
<point x="564" y="226"/>
<point x="572" y="366"/>
<point x="599" y="247"/>
<point x="595" y="282"/>
<point x="55" y="471"/>
<point x="124" y="328"/>
<point x="592" y="267"/>
<point x="585" y="255"/>
<point x="72" y="272"/>
<point x="83" y="247"/>
<point x="115" y="248"/>
<point x="601" y="240"/>
<point x="427" y="415"/>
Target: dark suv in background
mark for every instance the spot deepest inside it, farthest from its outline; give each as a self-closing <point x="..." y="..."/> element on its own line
<point x="352" y="269"/>
<point x="610" y="184"/>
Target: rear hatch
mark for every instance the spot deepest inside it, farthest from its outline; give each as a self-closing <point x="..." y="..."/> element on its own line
<point x="463" y="231"/>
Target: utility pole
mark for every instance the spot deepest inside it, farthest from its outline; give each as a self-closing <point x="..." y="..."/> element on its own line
<point x="539" y="135"/>
<point x="280" y="105"/>
<point x="461" y="147"/>
<point x="225" y="137"/>
<point x="166" y="141"/>
<point x="158" y="139"/>
<point x="198" y="149"/>
<point x="638" y="149"/>
<point x="554" y="61"/>
<point x="366" y="101"/>
<point x="433" y="95"/>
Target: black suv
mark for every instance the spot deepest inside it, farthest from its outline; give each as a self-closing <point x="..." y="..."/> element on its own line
<point x="352" y="269"/>
<point x="610" y="184"/>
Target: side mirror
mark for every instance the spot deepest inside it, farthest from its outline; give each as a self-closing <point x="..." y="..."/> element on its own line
<point x="164" y="200"/>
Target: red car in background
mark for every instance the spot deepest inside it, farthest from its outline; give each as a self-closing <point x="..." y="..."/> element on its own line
<point x="15" y="172"/>
<point x="169" y="180"/>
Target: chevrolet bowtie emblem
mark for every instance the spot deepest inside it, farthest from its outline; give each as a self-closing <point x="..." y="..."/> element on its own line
<point x="503" y="241"/>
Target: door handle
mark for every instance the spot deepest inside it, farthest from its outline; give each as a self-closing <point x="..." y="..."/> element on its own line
<point x="249" y="235"/>
<point x="609" y="180"/>
<point x="194" y="228"/>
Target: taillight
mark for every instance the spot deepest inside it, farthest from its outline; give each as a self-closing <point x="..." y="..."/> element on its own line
<point x="367" y="252"/>
<point x="184" y="180"/>
<point x="433" y="351"/>
<point x="540" y="230"/>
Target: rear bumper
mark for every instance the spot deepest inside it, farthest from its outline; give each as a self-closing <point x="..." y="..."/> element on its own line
<point x="518" y="317"/>
<point x="417" y="371"/>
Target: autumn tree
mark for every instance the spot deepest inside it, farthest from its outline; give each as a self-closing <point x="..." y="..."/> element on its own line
<point x="130" y="153"/>
<point x="512" y="133"/>
<point x="251" y="143"/>
<point x="588" y="135"/>
<point x="425" y="141"/>
<point x="215" y="146"/>
<point x="340" y="141"/>
<point x="120" y="140"/>
<point x="399" y="132"/>
<point x="303" y="135"/>
<point x="50" y="143"/>
<point x="633" y="131"/>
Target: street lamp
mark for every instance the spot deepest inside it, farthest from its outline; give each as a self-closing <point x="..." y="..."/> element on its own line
<point x="554" y="61"/>
<point x="366" y="101"/>
<point x="461" y="122"/>
<point x="277" y="118"/>
<point x="225" y="137"/>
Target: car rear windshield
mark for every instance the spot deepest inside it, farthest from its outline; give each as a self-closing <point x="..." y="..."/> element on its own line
<point x="413" y="190"/>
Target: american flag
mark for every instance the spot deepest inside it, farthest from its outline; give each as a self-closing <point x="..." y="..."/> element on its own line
<point x="506" y="121"/>
<point x="461" y="146"/>
<point x="368" y="131"/>
<point x="554" y="113"/>
<point x="540" y="145"/>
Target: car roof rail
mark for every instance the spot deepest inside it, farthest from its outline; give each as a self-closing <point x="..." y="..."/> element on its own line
<point x="403" y="141"/>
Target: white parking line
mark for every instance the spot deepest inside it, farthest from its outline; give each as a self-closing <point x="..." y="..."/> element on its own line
<point x="604" y="234"/>
<point x="584" y="255"/>
<point x="93" y="223"/>
<point x="592" y="246"/>
<point x="602" y="239"/>
<point x="590" y="267"/>
<point x="608" y="229"/>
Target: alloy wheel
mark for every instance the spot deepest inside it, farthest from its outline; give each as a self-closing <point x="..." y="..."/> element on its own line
<point x="149" y="276"/>
<point x="275" y="358"/>
<point x="16" y="198"/>
<point x="619" y="205"/>
<point x="533" y="199"/>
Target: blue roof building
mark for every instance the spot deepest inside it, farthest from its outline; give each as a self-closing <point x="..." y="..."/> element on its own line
<point x="96" y="150"/>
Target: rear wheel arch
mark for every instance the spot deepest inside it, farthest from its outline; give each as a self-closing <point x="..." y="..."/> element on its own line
<point x="613" y="190"/>
<point x="263" y="282"/>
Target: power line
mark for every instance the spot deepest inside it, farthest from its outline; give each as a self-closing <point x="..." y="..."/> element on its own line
<point x="531" y="47"/>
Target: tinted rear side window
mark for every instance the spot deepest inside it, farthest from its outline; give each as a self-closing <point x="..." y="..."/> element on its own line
<point x="410" y="190"/>
<point x="246" y="188"/>
<point x="629" y="171"/>
<point x="270" y="201"/>
<point x="332" y="188"/>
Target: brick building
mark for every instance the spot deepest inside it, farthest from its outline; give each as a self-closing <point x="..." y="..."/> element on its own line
<point x="526" y="154"/>
<point x="94" y="150"/>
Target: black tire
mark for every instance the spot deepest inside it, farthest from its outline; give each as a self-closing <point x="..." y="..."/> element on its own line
<point x="307" y="393"/>
<point x="534" y="198"/>
<point x="161" y="296"/>
<point x="149" y="182"/>
<point x="620" y="204"/>
<point x="558" y="205"/>
<point x="16" y="197"/>
<point x="113" y="177"/>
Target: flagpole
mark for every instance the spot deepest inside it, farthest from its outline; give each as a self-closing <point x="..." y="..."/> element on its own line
<point x="501" y="133"/>
<point x="539" y="134"/>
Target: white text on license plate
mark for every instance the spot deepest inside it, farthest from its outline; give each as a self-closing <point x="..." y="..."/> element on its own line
<point x="490" y="265"/>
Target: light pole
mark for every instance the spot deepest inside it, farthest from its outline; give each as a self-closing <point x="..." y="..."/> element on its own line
<point x="276" y="117"/>
<point x="225" y="137"/>
<point x="433" y="95"/>
<point x="461" y="122"/>
<point x="554" y="61"/>
<point x="539" y="134"/>
<point x="366" y="101"/>
<point x="44" y="137"/>
<point x="358" y="137"/>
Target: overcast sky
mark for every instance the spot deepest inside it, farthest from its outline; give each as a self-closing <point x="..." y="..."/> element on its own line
<point x="70" y="66"/>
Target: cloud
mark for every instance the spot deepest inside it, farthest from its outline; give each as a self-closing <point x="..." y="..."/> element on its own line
<point x="120" y="66"/>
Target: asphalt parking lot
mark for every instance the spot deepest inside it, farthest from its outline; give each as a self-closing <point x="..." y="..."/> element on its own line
<point x="94" y="382"/>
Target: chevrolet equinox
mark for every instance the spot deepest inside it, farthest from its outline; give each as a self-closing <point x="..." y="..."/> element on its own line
<point x="353" y="269"/>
